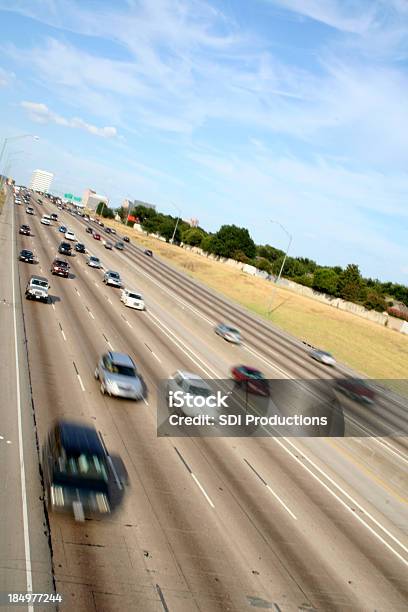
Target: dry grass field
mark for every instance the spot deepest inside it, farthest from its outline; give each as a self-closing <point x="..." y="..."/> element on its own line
<point x="365" y="346"/>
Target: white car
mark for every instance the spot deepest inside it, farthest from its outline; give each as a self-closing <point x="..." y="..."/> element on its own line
<point x="70" y="235"/>
<point x="46" y="220"/>
<point x="94" y="262"/>
<point x="323" y="357"/>
<point x="132" y="299"/>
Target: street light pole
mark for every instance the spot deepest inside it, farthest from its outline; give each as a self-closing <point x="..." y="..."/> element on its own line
<point x="175" y="228"/>
<point x="277" y="279"/>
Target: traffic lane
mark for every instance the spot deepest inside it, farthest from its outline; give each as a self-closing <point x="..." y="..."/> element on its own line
<point x="25" y="555"/>
<point x="113" y="290"/>
<point x="378" y="478"/>
<point x="318" y="572"/>
<point x="335" y="535"/>
<point x="334" y="457"/>
<point x="144" y="453"/>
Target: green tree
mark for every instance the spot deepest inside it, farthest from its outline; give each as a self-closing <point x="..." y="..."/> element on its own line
<point x="101" y="206"/>
<point x="263" y="264"/>
<point x="325" y="280"/>
<point x="166" y="229"/>
<point x="207" y="244"/>
<point x="231" y="238"/>
<point x="375" y="301"/>
<point x="351" y="285"/>
<point x="193" y="236"/>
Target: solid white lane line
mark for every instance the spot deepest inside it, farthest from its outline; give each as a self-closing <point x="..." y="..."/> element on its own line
<point x="109" y="300"/>
<point x="156" y="357"/>
<point x="63" y="335"/>
<point x="203" y="491"/>
<point x="127" y="323"/>
<point x="77" y="292"/>
<point x="281" y="502"/>
<point x="80" y="382"/>
<point x="145" y="401"/>
<point x="90" y="314"/>
<point x="53" y="306"/>
<point x="341" y="501"/>
<point x="26" y="534"/>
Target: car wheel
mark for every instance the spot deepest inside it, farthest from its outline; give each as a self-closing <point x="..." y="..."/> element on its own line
<point x="96" y="374"/>
<point x="103" y="388"/>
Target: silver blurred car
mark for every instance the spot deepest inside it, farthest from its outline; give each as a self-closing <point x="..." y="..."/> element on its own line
<point x="118" y="376"/>
<point x="323" y="357"/>
<point x="94" y="262"/>
<point x="231" y="334"/>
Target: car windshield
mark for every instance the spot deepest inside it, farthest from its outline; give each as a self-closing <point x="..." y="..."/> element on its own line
<point x="123" y="370"/>
<point x="232" y="330"/>
<point x="94" y="259"/>
<point x="84" y="465"/>
<point x="39" y="283"/>
<point x="135" y="296"/>
<point x="26" y="253"/>
<point x="114" y="275"/>
<point x="251" y="373"/>
<point x="61" y="264"/>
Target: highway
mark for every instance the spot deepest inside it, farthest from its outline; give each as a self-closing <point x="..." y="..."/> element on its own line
<point x="206" y="524"/>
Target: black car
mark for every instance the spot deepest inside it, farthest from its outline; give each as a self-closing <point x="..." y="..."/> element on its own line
<point x="26" y="256"/>
<point x="65" y="248"/>
<point x="126" y="239"/>
<point x="80" y="247"/>
<point x="108" y="230"/>
<point x="25" y="230"/>
<point x="89" y="230"/>
<point x="148" y="252"/>
<point x="78" y="474"/>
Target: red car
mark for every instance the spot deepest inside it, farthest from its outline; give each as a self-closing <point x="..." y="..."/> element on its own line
<point x="254" y="380"/>
<point x="357" y="389"/>
<point x="60" y="267"/>
<point x="96" y="236"/>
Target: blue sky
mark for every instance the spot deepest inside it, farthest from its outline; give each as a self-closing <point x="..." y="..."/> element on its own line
<point x="234" y="111"/>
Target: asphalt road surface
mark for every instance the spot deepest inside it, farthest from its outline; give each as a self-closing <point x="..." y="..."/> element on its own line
<point x="206" y="524"/>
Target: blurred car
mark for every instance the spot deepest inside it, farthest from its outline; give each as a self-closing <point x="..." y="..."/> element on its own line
<point x="126" y="239"/>
<point x="80" y="247"/>
<point x="132" y="299"/>
<point x="323" y="357"/>
<point x="112" y="230"/>
<point x="69" y="235"/>
<point x="46" y="220"/>
<point x="25" y="230"/>
<point x="251" y="379"/>
<point x="76" y="470"/>
<point x="356" y="389"/>
<point x="118" y="376"/>
<point x="119" y="245"/>
<point x="30" y="210"/>
<point x="108" y="245"/>
<point x="231" y="334"/>
<point x="107" y="230"/>
<point x="26" y="255"/>
<point x="94" y="262"/>
<point x="65" y="248"/>
<point x="96" y="236"/>
<point x="60" y="267"/>
<point x="54" y="216"/>
<point x="148" y="252"/>
<point x="89" y="230"/>
<point x="112" y="278"/>
<point x="188" y="384"/>
<point x="62" y="229"/>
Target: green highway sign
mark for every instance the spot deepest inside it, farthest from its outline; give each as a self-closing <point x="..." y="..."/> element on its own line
<point x="77" y="199"/>
<point x="69" y="196"/>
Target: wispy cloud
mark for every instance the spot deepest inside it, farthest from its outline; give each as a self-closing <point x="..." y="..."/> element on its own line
<point x="40" y="113"/>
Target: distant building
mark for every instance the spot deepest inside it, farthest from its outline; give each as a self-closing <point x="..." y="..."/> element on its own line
<point x="126" y="204"/>
<point x="91" y="199"/>
<point x="193" y="222"/>
<point x="41" y="180"/>
<point x="146" y="204"/>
